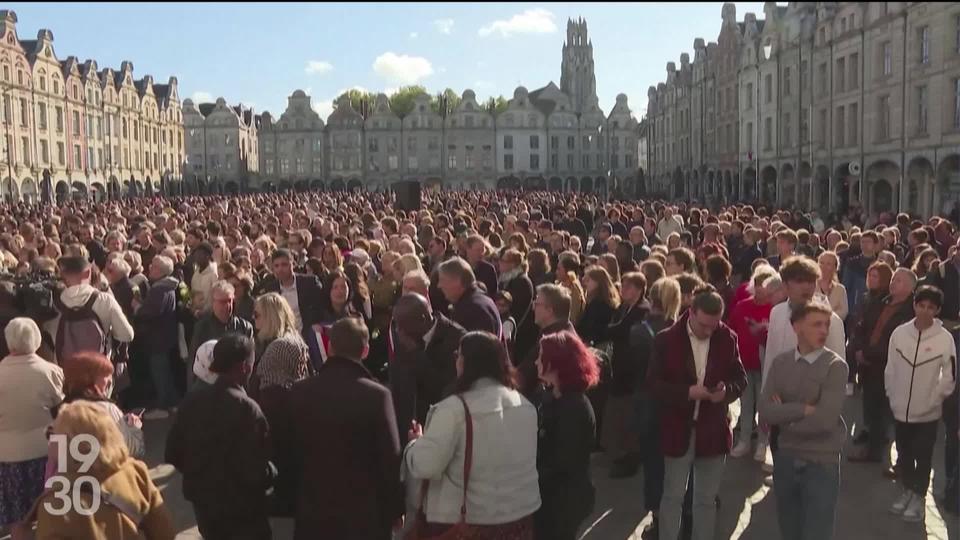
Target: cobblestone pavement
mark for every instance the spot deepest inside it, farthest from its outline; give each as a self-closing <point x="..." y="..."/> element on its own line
<point x="747" y="511"/>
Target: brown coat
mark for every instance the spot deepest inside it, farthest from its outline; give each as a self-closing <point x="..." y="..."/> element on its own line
<point x="131" y="484"/>
<point x="343" y="435"/>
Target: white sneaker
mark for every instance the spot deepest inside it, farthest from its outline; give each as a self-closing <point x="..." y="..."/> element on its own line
<point x="156" y="414"/>
<point x="761" y="453"/>
<point x="849" y="389"/>
<point x="915" y="510"/>
<point x="901" y="503"/>
<point x="740" y="449"/>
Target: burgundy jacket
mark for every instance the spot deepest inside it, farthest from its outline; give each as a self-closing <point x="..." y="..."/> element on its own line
<point x="672" y="372"/>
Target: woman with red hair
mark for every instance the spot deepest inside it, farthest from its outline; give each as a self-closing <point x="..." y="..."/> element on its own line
<point x="88" y="376"/>
<point x="567" y="434"/>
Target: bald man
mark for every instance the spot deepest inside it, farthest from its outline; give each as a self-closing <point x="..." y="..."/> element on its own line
<point x="423" y="364"/>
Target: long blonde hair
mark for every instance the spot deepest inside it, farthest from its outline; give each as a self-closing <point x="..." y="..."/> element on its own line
<point x="86" y="418"/>
<point x="606" y="290"/>
<point x="665" y="295"/>
<point x="276" y="318"/>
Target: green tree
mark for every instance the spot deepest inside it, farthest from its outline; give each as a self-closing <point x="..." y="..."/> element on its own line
<point x="497" y="105"/>
<point x="357" y="96"/>
<point x="401" y="101"/>
<point x="453" y="100"/>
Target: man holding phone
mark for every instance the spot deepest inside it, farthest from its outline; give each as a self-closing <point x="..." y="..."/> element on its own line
<point x="695" y="374"/>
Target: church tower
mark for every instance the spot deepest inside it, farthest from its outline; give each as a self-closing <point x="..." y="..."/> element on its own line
<point x="577" y="79"/>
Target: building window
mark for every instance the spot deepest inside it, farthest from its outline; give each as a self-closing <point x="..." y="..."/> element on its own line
<point x="24" y="114"/>
<point x="887" y="57"/>
<point x="571" y="143"/>
<point x="822" y="77"/>
<point x="25" y="150"/>
<point x="554" y="142"/>
<point x="614" y="162"/>
<point x="804" y="127"/>
<point x="840" y="128"/>
<point x="508" y="162"/>
<point x="628" y="161"/>
<point x="569" y="162"/>
<point x="787" y="132"/>
<point x="854" y="70"/>
<point x="586" y="143"/>
<point x="554" y="162"/>
<point x="840" y="74"/>
<point x="854" y="123"/>
<point x="749" y="96"/>
<point x="77" y="157"/>
<point x="749" y="141"/>
<point x="452" y="162"/>
<point x="924" y="35"/>
<point x="921" y="109"/>
<point x="318" y="164"/>
<point x="269" y="166"/>
<point x="534" y="162"/>
<point x="768" y="133"/>
<point x="412" y="163"/>
<point x="768" y="88"/>
<point x="468" y="160"/>
<point x="61" y="154"/>
<point x="534" y="142"/>
<point x="956" y="103"/>
<point x="508" y="142"/>
<point x="786" y="81"/>
<point x="59" y="119"/>
<point x="412" y="144"/>
<point x="90" y="162"/>
<point x="284" y="166"/>
<point x="586" y="162"/>
<point x="42" y="116"/>
<point x="44" y="152"/>
<point x="373" y="145"/>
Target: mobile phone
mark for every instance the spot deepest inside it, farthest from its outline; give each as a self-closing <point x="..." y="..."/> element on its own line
<point x="138" y="411"/>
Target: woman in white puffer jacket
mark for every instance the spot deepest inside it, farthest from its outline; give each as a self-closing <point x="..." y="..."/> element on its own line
<point x="920" y="374"/>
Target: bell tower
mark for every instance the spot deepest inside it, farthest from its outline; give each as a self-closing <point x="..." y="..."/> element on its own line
<point x="577" y="79"/>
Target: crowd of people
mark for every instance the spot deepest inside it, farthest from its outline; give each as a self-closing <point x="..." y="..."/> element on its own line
<point x="373" y="372"/>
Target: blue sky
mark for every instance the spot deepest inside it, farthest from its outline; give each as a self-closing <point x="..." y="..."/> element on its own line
<point x="258" y="54"/>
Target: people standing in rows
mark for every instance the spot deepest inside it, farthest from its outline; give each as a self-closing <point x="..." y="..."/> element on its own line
<point x="803" y="396"/>
<point x="472" y="309"/>
<point x="502" y="494"/>
<point x="156" y="319"/>
<point x="220" y="443"/>
<point x="870" y="344"/>
<point x="302" y="292"/>
<point x="484" y="272"/>
<point x="342" y="432"/>
<point x="919" y="376"/>
<point x="695" y="375"/>
<point x="829" y="285"/>
<point x="854" y="272"/>
<point x="30" y="387"/>
<point x="627" y="333"/>
<point x="514" y="279"/>
<point x="566" y="436"/>
<point x="602" y="301"/>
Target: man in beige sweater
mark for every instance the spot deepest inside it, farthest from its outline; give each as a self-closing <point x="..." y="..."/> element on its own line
<point x="803" y="396"/>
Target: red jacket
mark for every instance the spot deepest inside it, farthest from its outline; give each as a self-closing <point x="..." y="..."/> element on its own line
<point x="670" y="376"/>
<point x="749" y="321"/>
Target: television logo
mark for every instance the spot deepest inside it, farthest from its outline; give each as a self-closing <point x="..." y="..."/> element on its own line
<point x="83" y="449"/>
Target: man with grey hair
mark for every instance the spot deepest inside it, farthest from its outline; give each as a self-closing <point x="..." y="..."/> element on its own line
<point x="156" y="320"/>
<point x="416" y="281"/>
<point x="472" y="309"/>
<point x="118" y="276"/>
<point x="216" y="323"/>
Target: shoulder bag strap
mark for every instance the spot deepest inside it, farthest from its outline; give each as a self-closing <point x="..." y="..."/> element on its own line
<point x="468" y="456"/>
<point x="467" y="465"/>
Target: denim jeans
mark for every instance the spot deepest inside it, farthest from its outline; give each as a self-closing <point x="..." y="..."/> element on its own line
<point x="806" y="495"/>
<point x="708" y="473"/>
<point x="163" y="385"/>
<point x="748" y="405"/>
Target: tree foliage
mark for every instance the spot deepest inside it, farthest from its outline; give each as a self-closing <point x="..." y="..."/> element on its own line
<point x="497" y="105"/>
<point x="357" y="96"/>
<point x="402" y="101"/>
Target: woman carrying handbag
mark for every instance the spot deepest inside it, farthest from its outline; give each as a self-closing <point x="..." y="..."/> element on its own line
<point x="478" y="456"/>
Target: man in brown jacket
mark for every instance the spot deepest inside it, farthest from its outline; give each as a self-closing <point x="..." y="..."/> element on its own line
<point x="345" y="446"/>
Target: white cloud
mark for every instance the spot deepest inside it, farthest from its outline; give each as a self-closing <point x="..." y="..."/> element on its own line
<point x="444" y="26"/>
<point x="201" y="96"/>
<point x="414" y="35"/>
<point x="483" y="85"/>
<point x="402" y="68"/>
<point x="531" y="21"/>
<point x="318" y="67"/>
